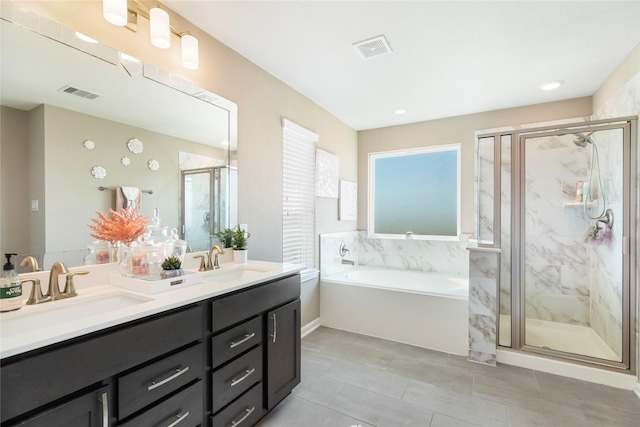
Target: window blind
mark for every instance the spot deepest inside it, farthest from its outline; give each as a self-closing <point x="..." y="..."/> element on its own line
<point x="298" y="195"/>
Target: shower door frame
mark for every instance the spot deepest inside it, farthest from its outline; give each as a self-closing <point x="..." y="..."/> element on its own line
<point x="517" y="230"/>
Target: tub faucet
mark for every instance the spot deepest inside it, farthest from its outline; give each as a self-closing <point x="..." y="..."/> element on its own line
<point x="216" y="263"/>
<point x="348" y="262"/>
<point x="344" y="250"/>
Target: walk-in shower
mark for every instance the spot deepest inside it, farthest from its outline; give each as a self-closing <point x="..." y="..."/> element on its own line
<point x="565" y="223"/>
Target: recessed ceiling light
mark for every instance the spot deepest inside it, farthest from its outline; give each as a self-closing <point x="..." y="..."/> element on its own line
<point x="551" y="85"/>
<point x="85" y="38"/>
<point x="399" y="111"/>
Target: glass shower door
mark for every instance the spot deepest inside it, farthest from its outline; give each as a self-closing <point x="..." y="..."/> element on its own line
<point x="575" y="289"/>
<point x="198" y="207"/>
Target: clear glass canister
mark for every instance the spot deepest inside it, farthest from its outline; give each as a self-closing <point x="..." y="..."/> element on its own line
<point x="99" y="252"/>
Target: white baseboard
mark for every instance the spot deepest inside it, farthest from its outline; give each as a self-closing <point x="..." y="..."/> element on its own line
<point x="310" y="327"/>
<point x="636" y="390"/>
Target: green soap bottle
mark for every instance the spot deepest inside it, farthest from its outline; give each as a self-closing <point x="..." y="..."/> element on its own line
<point x="10" y="287"/>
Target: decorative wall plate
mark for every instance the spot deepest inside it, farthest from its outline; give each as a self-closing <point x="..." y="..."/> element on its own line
<point x="135" y="146"/>
<point x="125" y="161"/>
<point x="154" y="165"/>
<point x="89" y="145"/>
<point x="98" y="172"/>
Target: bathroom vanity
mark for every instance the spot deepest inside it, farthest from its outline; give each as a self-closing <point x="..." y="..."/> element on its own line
<point x="214" y="354"/>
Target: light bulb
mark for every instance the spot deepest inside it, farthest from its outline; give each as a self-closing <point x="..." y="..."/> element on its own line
<point x="115" y="12"/>
<point x="160" y="30"/>
<point x="189" y="52"/>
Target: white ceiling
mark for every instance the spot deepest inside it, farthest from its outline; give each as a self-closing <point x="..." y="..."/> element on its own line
<point x="450" y="58"/>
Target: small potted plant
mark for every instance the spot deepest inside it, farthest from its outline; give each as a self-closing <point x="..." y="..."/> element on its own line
<point x="239" y="245"/>
<point x="225" y="237"/>
<point x="171" y="267"/>
<point x="408" y="234"/>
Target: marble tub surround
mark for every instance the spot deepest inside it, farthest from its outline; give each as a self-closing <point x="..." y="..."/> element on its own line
<point x="437" y="256"/>
<point x="483" y="285"/>
<point x="330" y="259"/>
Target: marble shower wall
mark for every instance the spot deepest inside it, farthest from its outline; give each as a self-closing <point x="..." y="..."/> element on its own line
<point x="606" y="300"/>
<point x="483" y="284"/>
<point x="556" y="259"/>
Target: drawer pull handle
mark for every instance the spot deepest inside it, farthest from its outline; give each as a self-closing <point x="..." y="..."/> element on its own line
<point x="180" y="418"/>
<point x="244" y="377"/>
<point x="275" y="328"/>
<point x="166" y="380"/>
<point x="248" y="412"/>
<point x="246" y="338"/>
<point x="105" y="409"/>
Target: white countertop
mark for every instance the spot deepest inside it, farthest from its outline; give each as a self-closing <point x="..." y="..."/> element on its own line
<point x="46" y="329"/>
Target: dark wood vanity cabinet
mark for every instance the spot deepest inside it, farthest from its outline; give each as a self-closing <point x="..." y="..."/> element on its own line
<point x="255" y="351"/>
<point x="55" y="386"/>
<point x="224" y="361"/>
<point x="283" y="352"/>
<point x="87" y="410"/>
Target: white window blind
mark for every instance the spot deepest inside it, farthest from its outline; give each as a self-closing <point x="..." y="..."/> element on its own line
<point x="298" y="195"/>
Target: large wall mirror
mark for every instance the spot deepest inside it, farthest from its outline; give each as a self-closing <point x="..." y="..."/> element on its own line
<point x="57" y="93"/>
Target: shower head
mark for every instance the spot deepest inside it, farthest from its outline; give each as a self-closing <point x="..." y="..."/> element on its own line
<point x="582" y="140"/>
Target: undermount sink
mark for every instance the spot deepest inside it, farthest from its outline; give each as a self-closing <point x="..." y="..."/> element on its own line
<point x="244" y="273"/>
<point x="75" y="309"/>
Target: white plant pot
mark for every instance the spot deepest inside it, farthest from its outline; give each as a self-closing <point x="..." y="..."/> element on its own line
<point x="226" y="257"/>
<point x="240" y="257"/>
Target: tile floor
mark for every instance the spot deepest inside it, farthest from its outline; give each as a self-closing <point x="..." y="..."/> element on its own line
<point x="354" y="380"/>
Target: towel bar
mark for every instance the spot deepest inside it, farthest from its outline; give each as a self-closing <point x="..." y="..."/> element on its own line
<point x="101" y="188"/>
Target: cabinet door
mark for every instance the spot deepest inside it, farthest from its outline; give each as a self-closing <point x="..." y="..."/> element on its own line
<point x="283" y="352"/>
<point x="88" y="410"/>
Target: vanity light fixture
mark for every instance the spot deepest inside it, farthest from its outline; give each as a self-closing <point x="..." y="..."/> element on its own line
<point x="551" y="85"/>
<point x="115" y="12"/>
<point x="160" y="28"/>
<point x="189" y="52"/>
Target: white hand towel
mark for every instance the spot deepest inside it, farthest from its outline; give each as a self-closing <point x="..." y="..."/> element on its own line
<point x="131" y="194"/>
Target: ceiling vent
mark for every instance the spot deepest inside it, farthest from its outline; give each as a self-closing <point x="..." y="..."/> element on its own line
<point x="78" y="92"/>
<point x="371" y="48"/>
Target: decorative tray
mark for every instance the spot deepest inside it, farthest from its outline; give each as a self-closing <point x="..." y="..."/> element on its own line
<point x="155" y="286"/>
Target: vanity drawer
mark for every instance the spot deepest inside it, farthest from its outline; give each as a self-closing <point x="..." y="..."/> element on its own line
<point x="233" y="379"/>
<point x="150" y="383"/>
<point x="64" y="369"/>
<point x="185" y="409"/>
<point x="227" y="345"/>
<point x="246" y="411"/>
<point x="229" y="310"/>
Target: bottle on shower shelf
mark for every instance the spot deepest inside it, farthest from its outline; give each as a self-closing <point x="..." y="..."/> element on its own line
<point x="579" y="191"/>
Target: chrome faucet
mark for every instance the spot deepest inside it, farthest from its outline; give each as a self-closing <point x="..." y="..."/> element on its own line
<point x="343" y="250"/>
<point x="216" y="263"/>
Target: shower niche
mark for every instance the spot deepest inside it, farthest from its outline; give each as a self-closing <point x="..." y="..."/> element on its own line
<point x="564" y="223"/>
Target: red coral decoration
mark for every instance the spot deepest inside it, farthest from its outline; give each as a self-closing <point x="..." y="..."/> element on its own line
<point x="124" y="227"/>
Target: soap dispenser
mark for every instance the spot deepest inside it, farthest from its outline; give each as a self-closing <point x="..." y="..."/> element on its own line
<point x="10" y="287"/>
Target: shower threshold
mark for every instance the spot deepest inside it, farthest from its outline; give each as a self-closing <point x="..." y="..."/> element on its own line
<point x="575" y="339"/>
